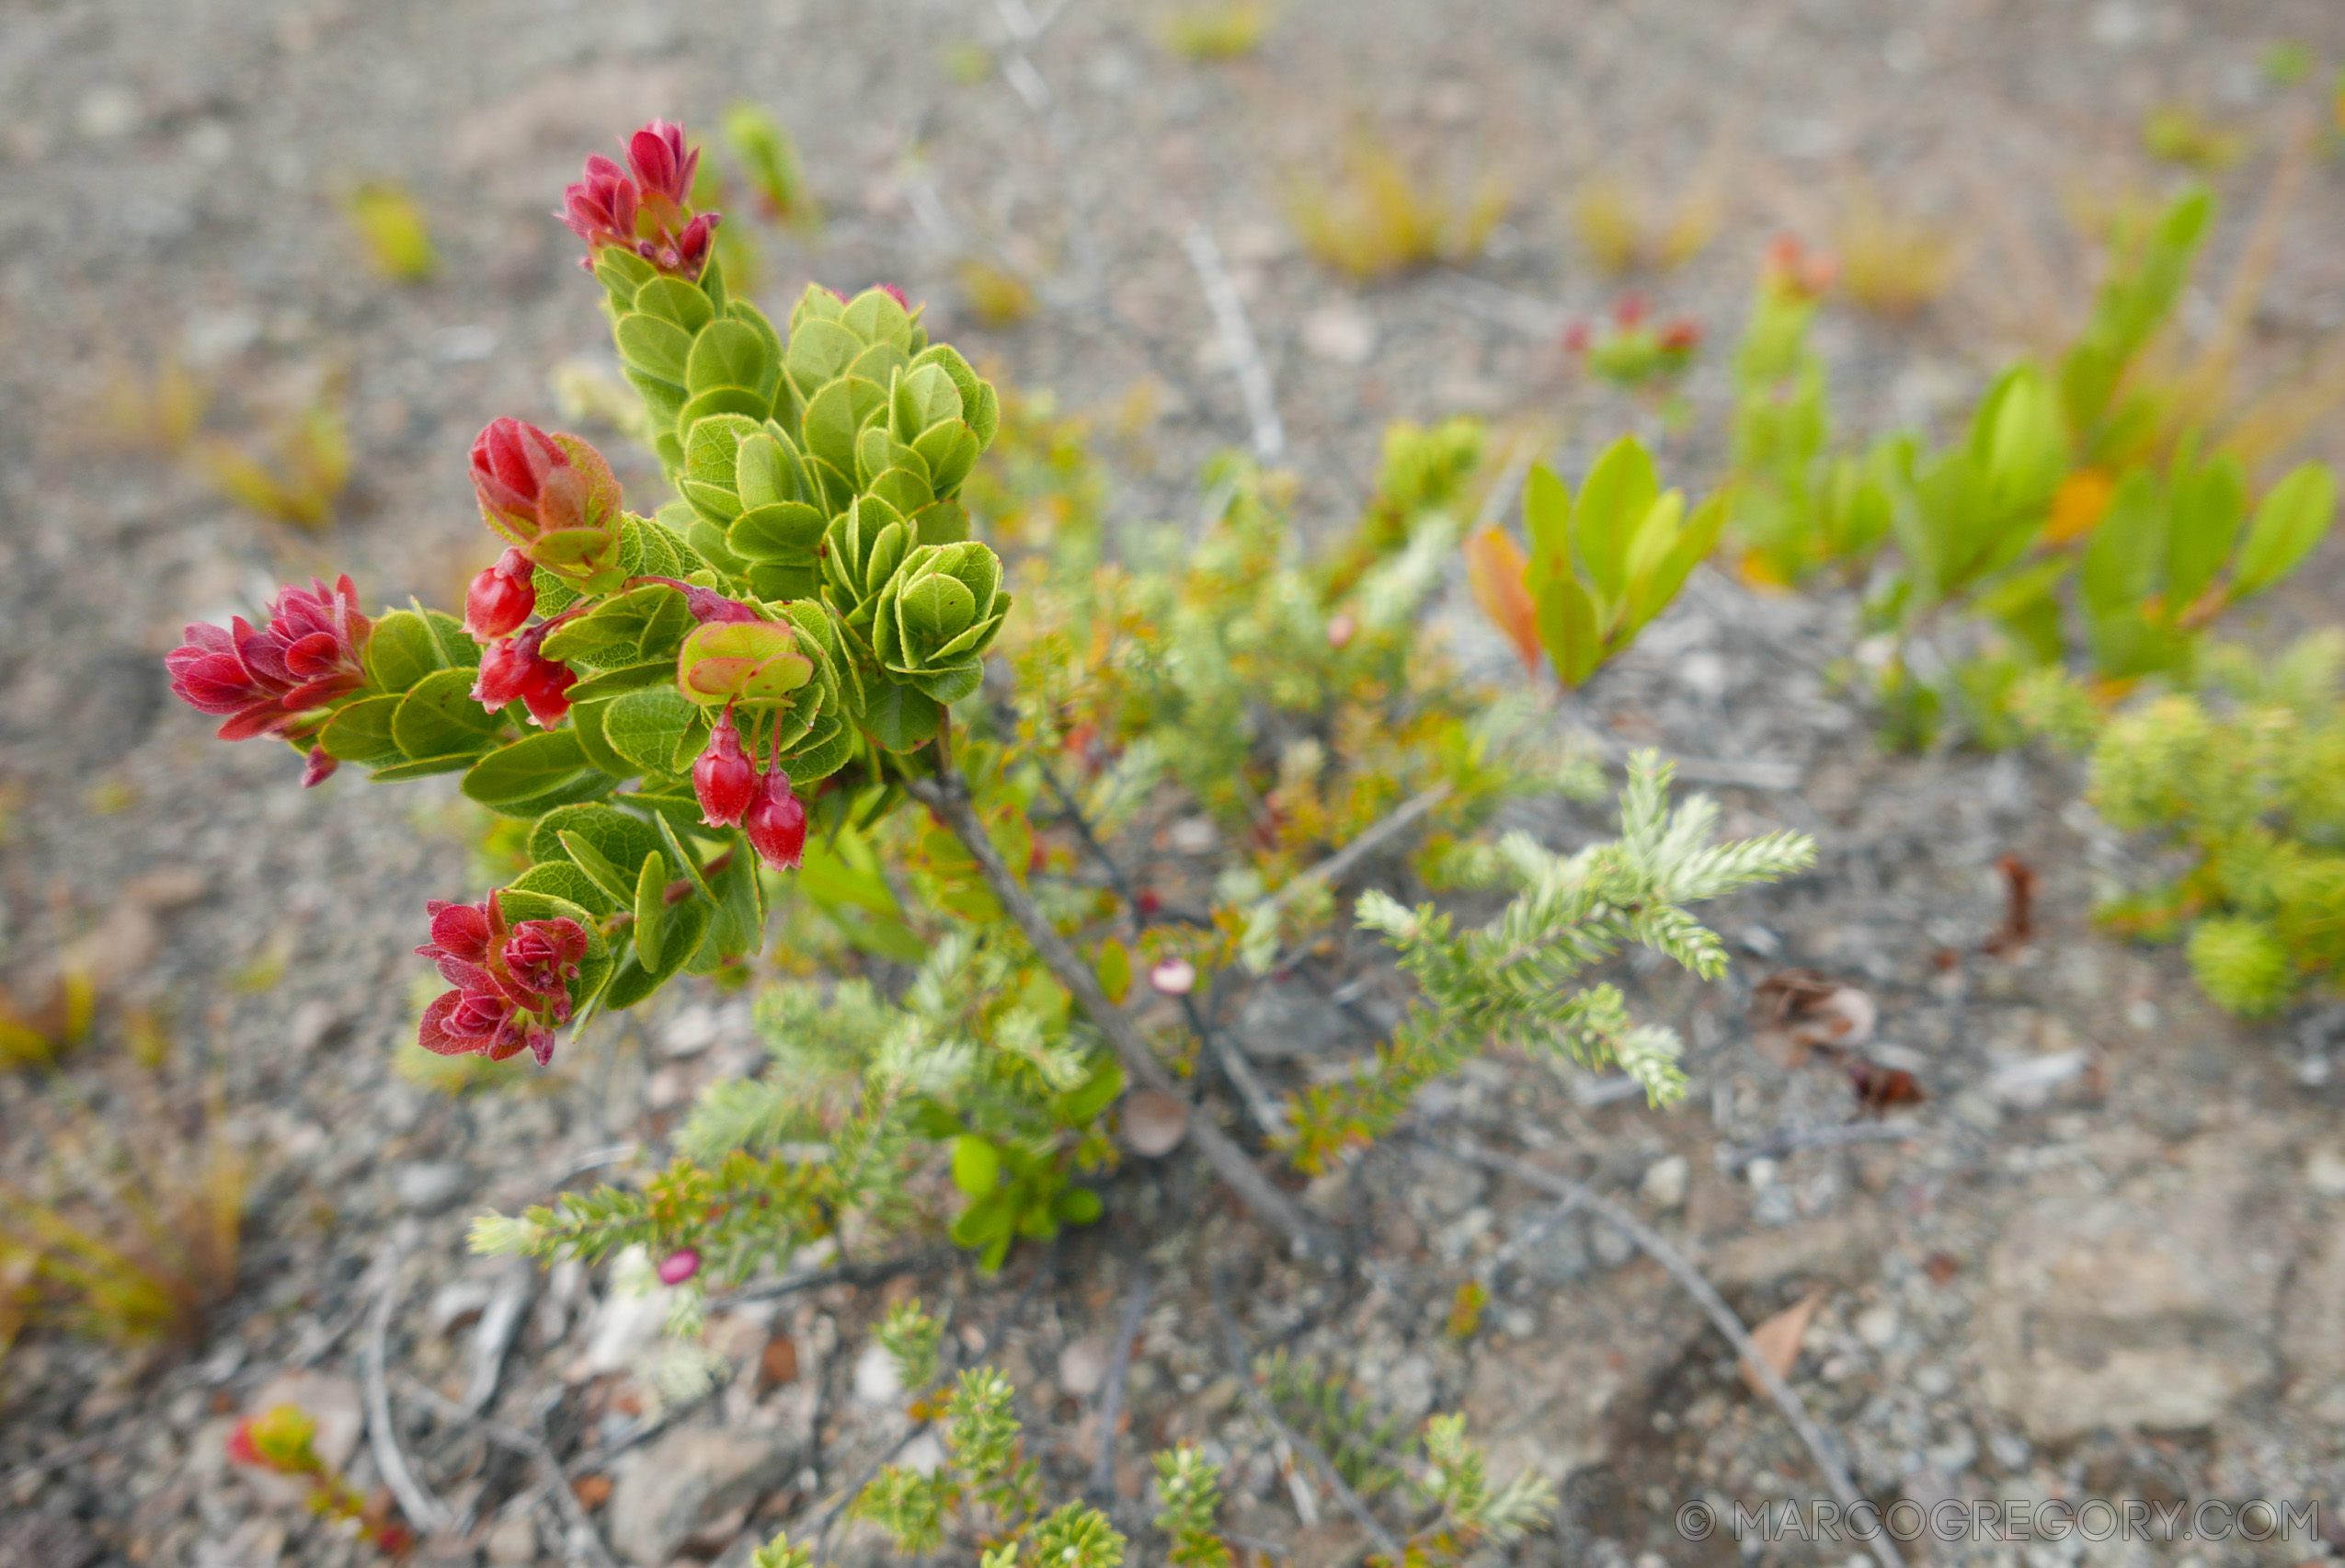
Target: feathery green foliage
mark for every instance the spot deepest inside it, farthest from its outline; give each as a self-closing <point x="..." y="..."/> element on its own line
<point x="1188" y="1490"/>
<point x="1511" y="981"/>
<point x="2247" y="782"/>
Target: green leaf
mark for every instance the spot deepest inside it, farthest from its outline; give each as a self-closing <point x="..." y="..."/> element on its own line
<point x="727" y="354"/>
<point x="651" y="907"/>
<point x="681" y="927"/>
<point x="1547" y="518"/>
<point x="977" y="1165"/>
<point x="1076" y="1206"/>
<point x="685" y="860"/>
<point x="424" y="767"/>
<point x="766" y="470"/>
<point x="360" y="731"/>
<point x="900" y="718"/>
<point x="654" y="345"/>
<point x="1114" y="967"/>
<point x="834" y="417"/>
<point x="563" y="879"/>
<point x="681" y="808"/>
<point x="438" y="717"/>
<point x="536" y="774"/>
<point x="626" y="678"/>
<point x="2203" y="523"/>
<point x="623" y="840"/>
<point x="2291" y="522"/>
<point x="720" y="401"/>
<point x="784" y="531"/>
<point x="587" y="719"/>
<point x="1618" y="491"/>
<point x="1687" y="549"/>
<point x="2122" y="560"/>
<point x="1079" y="1105"/>
<point x="1567" y="629"/>
<point x="401" y="652"/>
<point x="673" y="300"/>
<point x="738" y="928"/>
<point x="819" y="351"/>
<point x="653" y="729"/>
<point x="599" y="868"/>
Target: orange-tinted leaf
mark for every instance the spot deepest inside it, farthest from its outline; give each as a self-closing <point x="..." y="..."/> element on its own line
<point x="2079" y="505"/>
<point x="1495" y="569"/>
<point x="1777" y="1339"/>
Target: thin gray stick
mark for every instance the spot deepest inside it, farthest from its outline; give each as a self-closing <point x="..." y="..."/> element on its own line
<point x="1111" y="1396"/>
<point x="948" y="796"/>
<point x="423" y="1510"/>
<point x="877" y="1272"/>
<point x="1520" y="1242"/>
<point x="1233" y="1352"/>
<point x="1829" y="1137"/>
<point x="1238" y="343"/>
<point x="1337" y="866"/>
<point x="1820" y="1447"/>
<point x="500" y="1320"/>
<point x="553" y="1480"/>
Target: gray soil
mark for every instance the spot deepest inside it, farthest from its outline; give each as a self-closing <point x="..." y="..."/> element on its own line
<point x="2115" y="1274"/>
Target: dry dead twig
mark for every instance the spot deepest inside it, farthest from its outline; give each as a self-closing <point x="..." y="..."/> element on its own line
<point x="1820" y="1446"/>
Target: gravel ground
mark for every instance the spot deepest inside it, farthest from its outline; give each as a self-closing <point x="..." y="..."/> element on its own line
<point x="2106" y="1262"/>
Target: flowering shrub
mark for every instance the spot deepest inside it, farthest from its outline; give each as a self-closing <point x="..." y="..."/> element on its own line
<point x="282" y="1440"/>
<point x="660" y="695"/>
<point x="686" y="712"/>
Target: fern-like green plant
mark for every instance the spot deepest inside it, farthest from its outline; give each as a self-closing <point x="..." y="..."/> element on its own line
<point x="1511" y="981"/>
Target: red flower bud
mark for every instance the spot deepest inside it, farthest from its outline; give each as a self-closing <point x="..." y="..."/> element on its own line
<point x="776" y="821"/>
<point x="679" y="1266"/>
<point x="1630" y="309"/>
<point x="600" y="209"/>
<point x="541" y="958"/>
<point x="260" y="682"/>
<point x="661" y="163"/>
<point x="513" y="986"/>
<point x="1576" y="337"/>
<point x="501" y="598"/>
<point x="723" y="777"/>
<point x="1174" y="977"/>
<point x="1341" y="629"/>
<point x="553" y="495"/>
<point x="689" y="254"/>
<point x="893" y="293"/>
<point x="1681" y="335"/>
<point x="514" y="670"/>
<point x="241" y="1448"/>
<point x="318" y="767"/>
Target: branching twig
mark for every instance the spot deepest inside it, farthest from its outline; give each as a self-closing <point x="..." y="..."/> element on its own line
<point x="1240" y="1367"/>
<point x="1111" y="1396"/>
<point x="1337" y="866"/>
<point x="1820" y="1446"/>
<point x="879" y="1270"/>
<point x="947" y="796"/>
<point x="423" y="1510"/>
<point x="499" y="1321"/>
<point x="552" y="1479"/>
<point x="1238" y="343"/>
<point x="1828" y="1137"/>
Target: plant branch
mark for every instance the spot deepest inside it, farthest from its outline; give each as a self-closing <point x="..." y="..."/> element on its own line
<point x="1111" y="1398"/>
<point x="422" y="1509"/>
<point x="947" y="796"/>
<point x="1820" y="1446"/>
<point x="1238" y="343"/>
<point x="552" y="1479"/>
<point x="1241" y="1367"/>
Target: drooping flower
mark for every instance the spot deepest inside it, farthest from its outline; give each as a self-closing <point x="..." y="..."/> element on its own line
<point x="512" y="983"/>
<point x="514" y="670"/>
<point x="552" y="496"/>
<point x="723" y="776"/>
<point x="502" y="598"/>
<point x="679" y="1265"/>
<point x="776" y="820"/>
